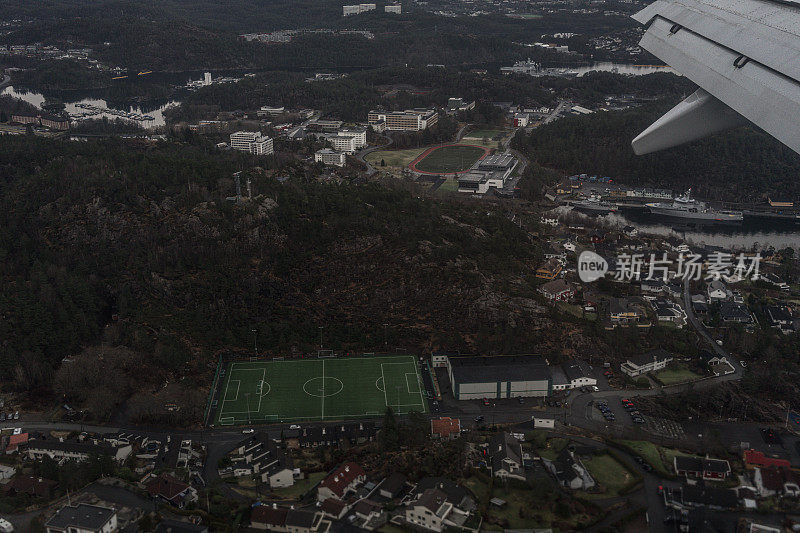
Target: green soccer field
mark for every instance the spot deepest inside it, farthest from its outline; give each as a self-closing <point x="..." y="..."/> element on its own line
<point x="319" y="389"/>
<point x="447" y="159"/>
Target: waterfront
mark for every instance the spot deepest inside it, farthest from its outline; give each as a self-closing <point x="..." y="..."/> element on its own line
<point x="749" y="235"/>
<point x="105" y="110"/>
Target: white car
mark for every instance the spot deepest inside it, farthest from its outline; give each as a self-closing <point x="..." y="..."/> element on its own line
<point x="5" y="526"/>
<point x="294" y="426"/>
<point x="248" y="431"/>
<point x="595" y="388"/>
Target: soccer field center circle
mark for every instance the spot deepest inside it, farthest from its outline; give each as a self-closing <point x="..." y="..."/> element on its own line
<point x="317" y="387"/>
<point x="308" y="389"/>
<point x="413" y="165"/>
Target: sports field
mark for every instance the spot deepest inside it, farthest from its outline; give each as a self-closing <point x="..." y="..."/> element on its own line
<point x="319" y="389"/>
<point x="448" y="159"/>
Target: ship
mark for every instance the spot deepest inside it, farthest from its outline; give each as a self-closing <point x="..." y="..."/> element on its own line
<point x="594" y="206"/>
<point x="686" y="207"/>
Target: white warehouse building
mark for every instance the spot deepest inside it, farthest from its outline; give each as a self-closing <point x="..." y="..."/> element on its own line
<point x="503" y="376"/>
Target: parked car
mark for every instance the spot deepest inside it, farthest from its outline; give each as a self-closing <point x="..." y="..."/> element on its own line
<point x="248" y="431"/>
<point x="294" y="426"/>
<point x="486" y="401"/>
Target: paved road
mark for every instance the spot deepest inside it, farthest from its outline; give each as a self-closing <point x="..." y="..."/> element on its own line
<point x="555" y="113"/>
<point x="362" y="154"/>
<point x="703" y="332"/>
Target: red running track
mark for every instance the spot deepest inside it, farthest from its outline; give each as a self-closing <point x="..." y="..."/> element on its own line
<point x="426" y="153"/>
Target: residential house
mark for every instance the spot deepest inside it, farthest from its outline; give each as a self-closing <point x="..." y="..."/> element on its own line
<point x="717" y="291"/>
<point x="345" y="478"/>
<point x="578" y="374"/>
<point x="7" y="472"/>
<point x="770" y="481"/>
<point x="557" y="290"/>
<point x="456" y="494"/>
<point x="265" y="457"/>
<point x="32" y="486"/>
<point x="649" y="362"/>
<point x="622" y="311"/>
<point x="79" y="451"/>
<point x="668" y="311"/>
<point x="732" y="312"/>
<point x="700" y="495"/>
<point x="755" y="458"/>
<point x="568" y="470"/>
<point x="549" y="270"/>
<point x="718" y="364"/>
<point x="445" y="428"/>
<point x="170" y="489"/>
<point x="779" y="316"/>
<point x="558" y="379"/>
<point x="299" y="521"/>
<point x="701" y="468"/>
<point x="15" y="441"/>
<point x="352" y="433"/>
<point x="83" y="518"/>
<point x="393" y="486"/>
<point x="652" y="286"/>
<point x="505" y="454"/>
<point x="334" y="508"/>
<point x="369" y="515"/>
<point x="433" y="511"/>
<point x="268" y="517"/>
<point x="699" y="303"/>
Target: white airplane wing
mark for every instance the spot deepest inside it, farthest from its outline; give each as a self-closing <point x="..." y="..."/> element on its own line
<point x="744" y="55"/>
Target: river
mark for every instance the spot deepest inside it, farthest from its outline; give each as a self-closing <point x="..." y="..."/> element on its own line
<point x="156" y="111"/>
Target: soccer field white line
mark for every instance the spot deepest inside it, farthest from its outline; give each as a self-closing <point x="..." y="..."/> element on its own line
<point x="227" y="386"/>
<point x="322" y="414"/>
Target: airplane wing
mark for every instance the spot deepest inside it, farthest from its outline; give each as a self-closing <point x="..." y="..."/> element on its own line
<point x="744" y="55"/>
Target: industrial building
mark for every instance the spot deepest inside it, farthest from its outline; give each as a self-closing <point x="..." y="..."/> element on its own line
<point x="408" y="120"/>
<point x="506" y="376"/>
<point x="490" y="172"/>
<point x="396" y="9"/>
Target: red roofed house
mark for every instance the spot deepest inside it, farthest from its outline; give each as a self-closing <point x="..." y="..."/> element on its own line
<point x="171" y="489"/>
<point x="345" y="477"/>
<point x="445" y="428"/>
<point x="334" y="508"/>
<point x="14" y="442"/>
<point x="270" y="518"/>
<point x="771" y="480"/>
<point x="32" y="486"/>
<point x="753" y="458"/>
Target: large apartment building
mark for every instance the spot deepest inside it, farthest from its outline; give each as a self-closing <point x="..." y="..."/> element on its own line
<point x="251" y="141"/>
<point x="326" y="156"/>
<point x="357" y="9"/>
<point x="408" y="120"/>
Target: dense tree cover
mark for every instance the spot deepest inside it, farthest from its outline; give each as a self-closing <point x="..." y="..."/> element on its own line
<point x="179" y="35"/>
<point x="132" y="249"/>
<point x="741" y="165"/>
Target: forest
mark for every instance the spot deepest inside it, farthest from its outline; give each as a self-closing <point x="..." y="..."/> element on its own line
<point x="742" y="165"/>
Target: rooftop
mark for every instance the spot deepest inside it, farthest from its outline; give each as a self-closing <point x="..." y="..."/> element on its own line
<point x="482" y="369"/>
<point x="82" y="516"/>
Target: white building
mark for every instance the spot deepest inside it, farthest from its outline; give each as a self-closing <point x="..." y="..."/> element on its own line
<point x="326" y="156"/>
<point x="83" y="518"/>
<point x="359" y="136"/>
<point x="342" y="143"/>
<point x="357" y="9"/>
<point x="408" y="120"/>
<point x="432" y="511"/>
<point x="644" y="363"/>
<point x="206" y="78"/>
<point x="251" y="141"/>
<point x="396" y="9"/>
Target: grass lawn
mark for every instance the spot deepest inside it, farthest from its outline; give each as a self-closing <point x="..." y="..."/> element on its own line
<point x="300" y="487"/>
<point x="554" y="447"/>
<point x="319" y="389"/>
<point x="574" y="310"/>
<point x="611" y="476"/>
<point x="393" y="158"/>
<point x="449" y="159"/>
<point x="484" y="134"/>
<point x="668" y="376"/>
<point x="659" y="457"/>
<point x="450" y="184"/>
